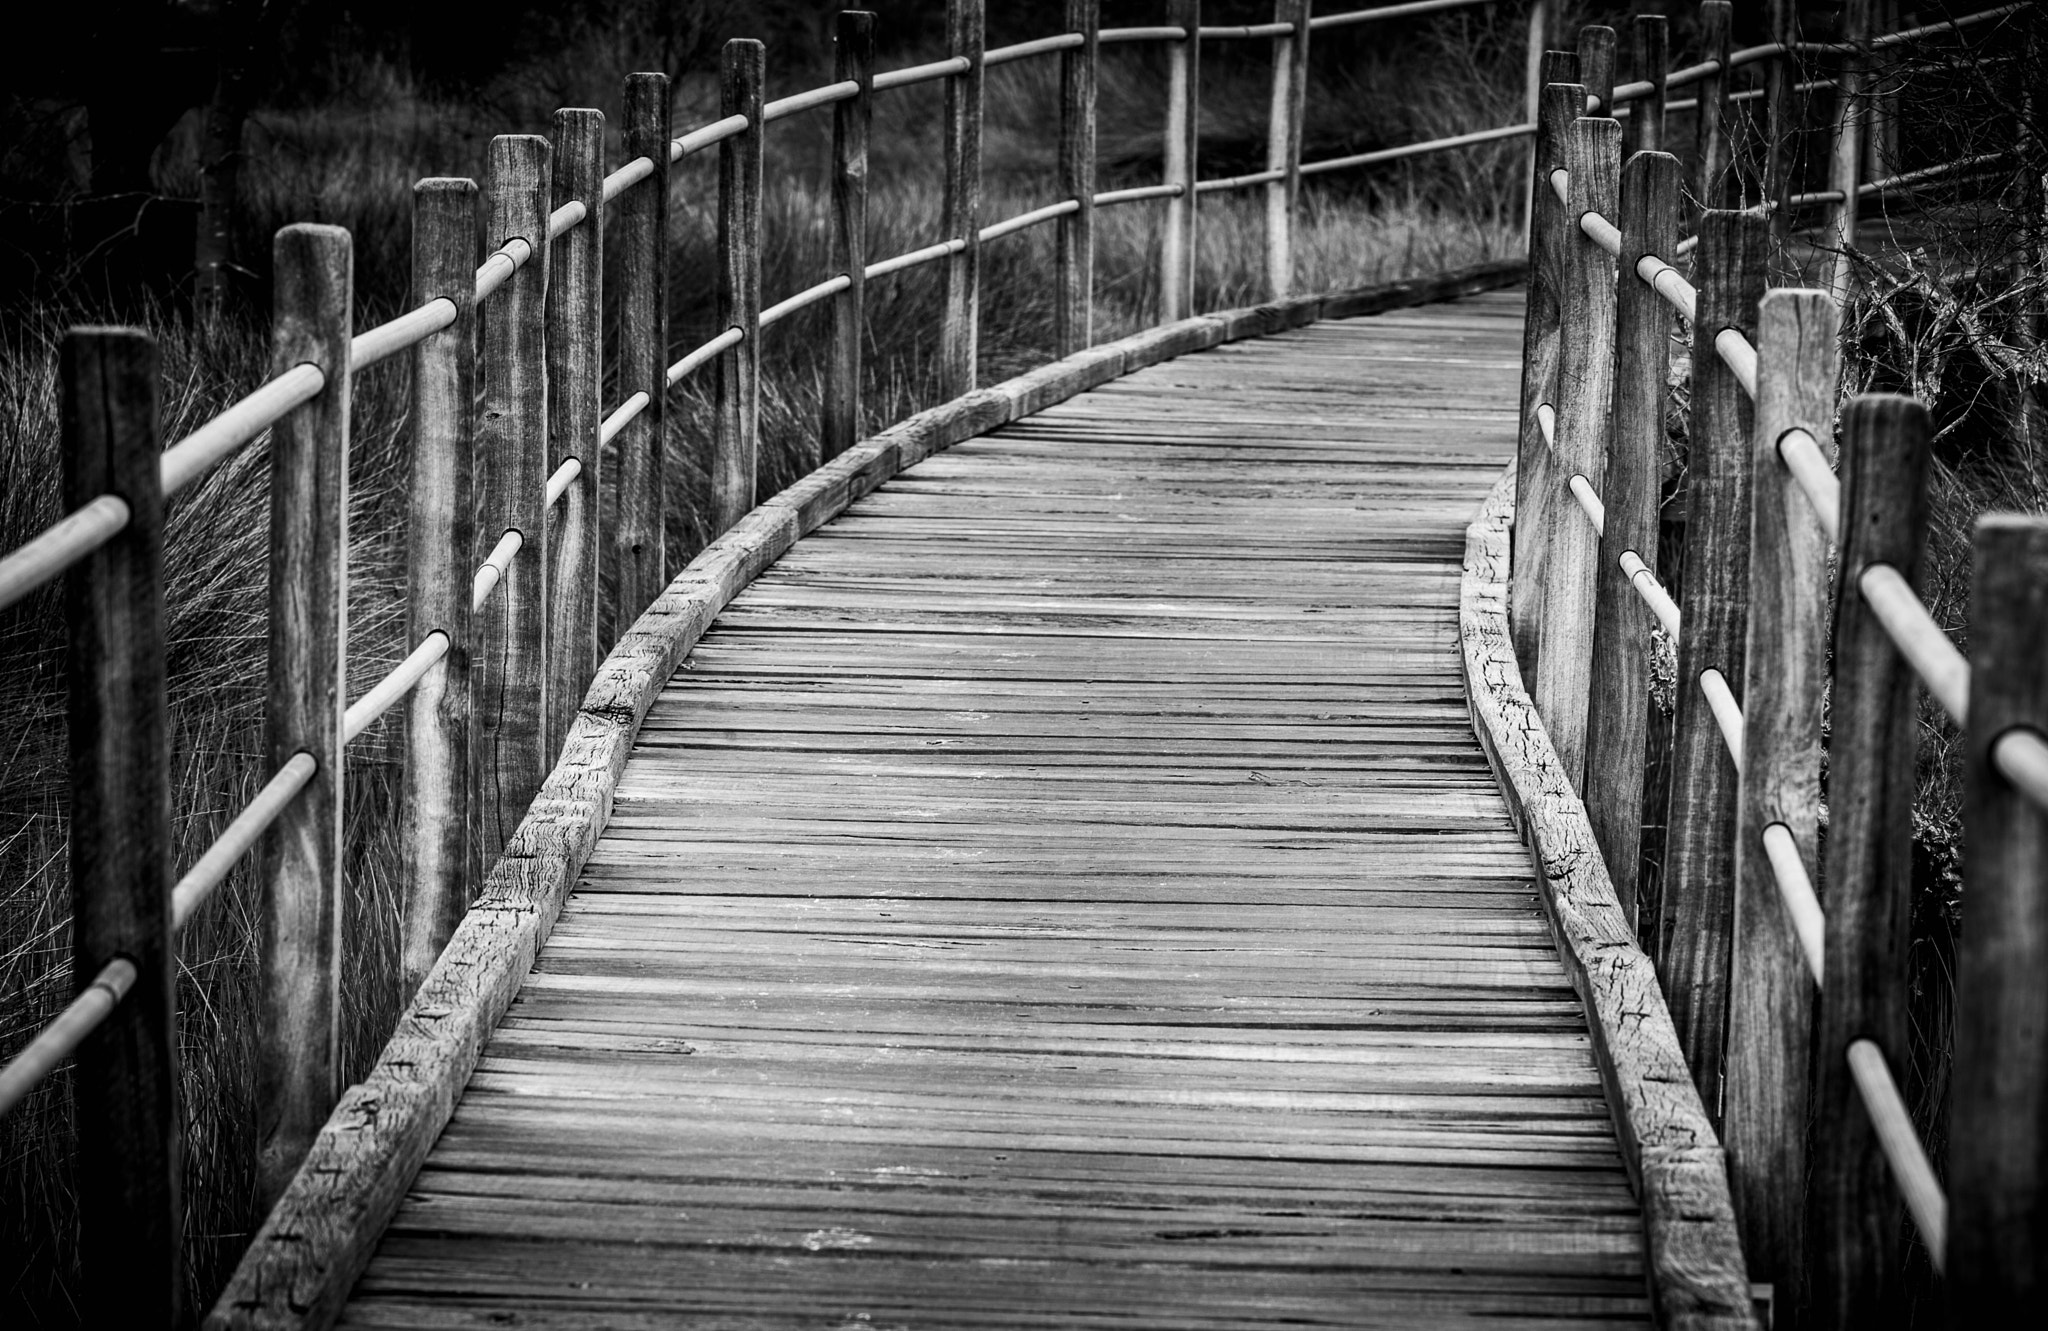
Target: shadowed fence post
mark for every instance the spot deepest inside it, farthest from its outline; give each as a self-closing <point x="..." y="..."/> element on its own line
<point x="1585" y="396"/>
<point x="1179" y="154"/>
<point x="1534" y="78"/>
<point x="1853" y="1214"/>
<point x="130" y="1139"/>
<point x="508" y="665"/>
<point x="1618" y="713"/>
<point x="853" y="60"/>
<point x="1283" y="144"/>
<point x="1845" y="167"/>
<point x="1710" y="137"/>
<point x="1536" y="487"/>
<point x="960" y="338"/>
<point x="1597" y="55"/>
<point x="1698" y="898"/>
<point x="1770" y="1005"/>
<point x="1649" y="62"/>
<point x="298" y="1072"/>
<point x="1782" y="118"/>
<point x="440" y="557"/>
<point x="1074" y="310"/>
<point x="1997" y="1155"/>
<point x="736" y="429"/>
<point x="638" y="477"/>
<point x="575" y="358"/>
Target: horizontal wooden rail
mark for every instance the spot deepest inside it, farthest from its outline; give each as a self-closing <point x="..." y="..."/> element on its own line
<point x="927" y="73"/>
<point x="1022" y="221"/>
<point x="386" y="693"/>
<point x="627" y="176"/>
<point x="396" y="335"/>
<point x="492" y="571"/>
<point x="622" y="415"/>
<point x="1795" y="890"/>
<point x="1241" y="32"/>
<point x="59" y="1040"/>
<point x="795" y="103"/>
<point x="697" y="140"/>
<point x="66" y="541"/>
<point x="1417" y="149"/>
<point x="563" y="477"/>
<point x="1919" y="639"/>
<point x="916" y="258"/>
<point x="1003" y="55"/>
<point x="809" y="296"/>
<point x="1652" y="591"/>
<point x="1902" y="1149"/>
<point x="1223" y="183"/>
<point x="1713" y="685"/>
<point x="1123" y="36"/>
<point x="703" y="355"/>
<point x="1136" y="194"/>
<point x="1384" y="12"/>
<point x="239" y="837"/>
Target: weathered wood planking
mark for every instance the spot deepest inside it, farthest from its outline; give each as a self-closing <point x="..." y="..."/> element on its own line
<point x="1065" y="889"/>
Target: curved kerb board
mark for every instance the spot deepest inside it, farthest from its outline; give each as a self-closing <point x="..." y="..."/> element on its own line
<point x="1697" y="1277"/>
<point x="299" y="1269"/>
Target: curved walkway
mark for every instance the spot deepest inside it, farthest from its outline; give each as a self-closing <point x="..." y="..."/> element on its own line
<point x="1065" y="891"/>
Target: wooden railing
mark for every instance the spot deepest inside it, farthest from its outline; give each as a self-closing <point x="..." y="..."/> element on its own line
<point x="1789" y="1002"/>
<point x="503" y="540"/>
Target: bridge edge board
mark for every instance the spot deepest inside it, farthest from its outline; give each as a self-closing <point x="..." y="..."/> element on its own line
<point x="298" y="1270"/>
<point x="1698" y="1281"/>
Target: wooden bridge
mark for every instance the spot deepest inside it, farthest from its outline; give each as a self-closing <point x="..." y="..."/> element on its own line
<point x="1152" y="842"/>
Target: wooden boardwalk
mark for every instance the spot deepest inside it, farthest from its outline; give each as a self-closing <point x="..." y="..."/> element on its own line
<point x="1065" y="892"/>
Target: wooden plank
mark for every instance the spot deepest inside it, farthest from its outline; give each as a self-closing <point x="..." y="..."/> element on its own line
<point x="1711" y="156"/>
<point x="736" y="428"/>
<point x="1178" y="161"/>
<point x="959" y="332"/>
<point x="575" y="373"/>
<point x="1284" y="117"/>
<point x="1597" y="56"/>
<point x="298" y="1067"/>
<point x="1074" y="245"/>
<point x="1770" y="1006"/>
<point x="639" y="478"/>
<point x="1650" y="62"/>
<point x="125" y="1081"/>
<point x="853" y="60"/>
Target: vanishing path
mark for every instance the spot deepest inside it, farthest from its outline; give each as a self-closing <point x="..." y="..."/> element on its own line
<point x="1066" y="891"/>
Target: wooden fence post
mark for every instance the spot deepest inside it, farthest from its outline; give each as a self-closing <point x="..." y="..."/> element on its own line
<point x="1782" y="118"/>
<point x="853" y="59"/>
<point x="1770" y="1006"/>
<point x="1649" y="61"/>
<point x="440" y="559"/>
<point x="1596" y="67"/>
<point x="1585" y="397"/>
<point x="1618" y="714"/>
<point x="960" y="337"/>
<point x="508" y="664"/>
<point x="1699" y="847"/>
<point x="1710" y="139"/>
<point x="298" y="1074"/>
<point x="1183" y="134"/>
<point x="575" y="357"/>
<point x="639" y="480"/>
<point x="1074" y="308"/>
<point x="1283" y="144"/>
<point x="1535" y="77"/>
<point x="1853" y="1214"/>
<point x="1536" y="487"/>
<point x="1997" y="1159"/>
<point x="736" y="435"/>
<point x="1845" y="166"/>
<point x="130" y="1139"/>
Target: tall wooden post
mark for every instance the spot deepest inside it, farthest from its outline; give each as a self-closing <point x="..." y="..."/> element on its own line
<point x="130" y="1140"/>
<point x="1699" y="869"/>
<point x="1597" y="57"/>
<point x="1782" y="118"/>
<point x="1074" y="308"/>
<point x="1283" y="144"/>
<point x="960" y="336"/>
<point x="1536" y="481"/>
<point x="639" y="480"/>
<point x="1585" y="396"/>
<point x="1853" y="1211"/>
<point x="1770" y="1006"/>
<point x="298" y="1071"/>
<point x="1845" y="166"/>
<point x="736" y="430"/>
<point x="1534" y="78"/>
<point x="1710" y="135"/>
<point x="575" y="358"/>
<point x="853" y="60"/>
<point x="1618" y="715"/>
<point x="1997" y="1155"/>
<point x="434" y="808"/>
<point x="1649" y="61"/>
<point x="1183" y="133"/>
<point x="508" y="664"/>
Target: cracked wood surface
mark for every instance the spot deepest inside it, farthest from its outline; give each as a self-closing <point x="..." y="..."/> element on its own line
<point x="1696" y="1267"/>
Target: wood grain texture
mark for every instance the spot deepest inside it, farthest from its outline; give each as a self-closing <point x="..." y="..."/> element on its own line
<point x="637" y="474"/>
<point x="1074" y="243"/>
<point x="1997" y="1158"/>
<point x="508" y="664"/>
<point x="853" y="60"/>
<point x="125" y="1095"/>
<point x="1649" y="61"/>
<point x="736" y="423"/>
<point x="434" y="790"/>
<point x="575" y="359"/>
<point x="1696" y="1274"/>
<point x="1179" y="162"/>
<point x="1618" y="710"/>
<point x="1784" y="109"/>
<point x="298" y="1068"/>
<point x="1697" y="906"/>
<point x="1853" y="1217"/>
<point x="1770" y="1003"/>
<point x="1537" y="486"/>
<point x="1711" y="158"/>
<point x="960" y="331"/>
<point x="1598" y="55"/>
<point x="1584" y="403"/>
<point x="314" y="1243"/>
<point x="1845" y="162"/>
<point x="1284" y="118"/>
